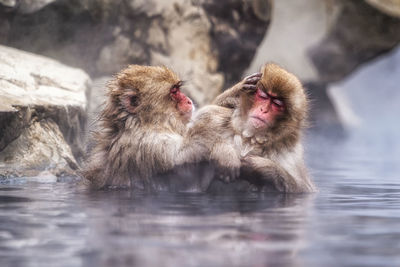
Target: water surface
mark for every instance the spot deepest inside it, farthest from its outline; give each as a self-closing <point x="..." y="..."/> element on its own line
<point x="353" y="221"/>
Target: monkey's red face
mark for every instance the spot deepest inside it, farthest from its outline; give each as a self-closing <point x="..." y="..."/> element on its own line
<point x="266" y="108"/>
<point x="183" y="103"/>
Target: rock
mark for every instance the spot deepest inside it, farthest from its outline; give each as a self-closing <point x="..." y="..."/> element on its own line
<point x="237" y="29"/>
<point x="389" y="7"/>
<point x="8" y="3"/>
<point x="39" y="146"/>
<point x="355" y="96"/>
<point x="120" y="53"/>
<point x="287" y="43"/>
<point x="30" y="6"/>
<point x="42" y="114"/>
<point x="189" y="50"/>
<point x="359" y="34"/>
<point x="96" y="101"/>
<point x="329" y="40"/>
<point x="207" y="42"/>
<point x="25" y="6"/>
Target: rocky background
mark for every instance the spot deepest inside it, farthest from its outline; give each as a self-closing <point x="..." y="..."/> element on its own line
<point x="56" y="55"/>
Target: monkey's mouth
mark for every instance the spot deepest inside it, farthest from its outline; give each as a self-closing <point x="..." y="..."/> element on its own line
<point x="258" y="122"/>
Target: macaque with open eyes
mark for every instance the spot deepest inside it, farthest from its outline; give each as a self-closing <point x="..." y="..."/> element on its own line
<point x="256" y="127"/>
<point x="143" y="129"/>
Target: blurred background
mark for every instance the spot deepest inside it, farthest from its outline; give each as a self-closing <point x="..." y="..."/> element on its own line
<point x="57" y="55"/>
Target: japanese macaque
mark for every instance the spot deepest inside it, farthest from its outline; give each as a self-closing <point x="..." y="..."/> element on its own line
<point x="142" y="129"/>
<point x="257" y="127"/>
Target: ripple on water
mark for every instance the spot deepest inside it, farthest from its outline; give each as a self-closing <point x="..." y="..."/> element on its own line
<point x="353" y="221"/>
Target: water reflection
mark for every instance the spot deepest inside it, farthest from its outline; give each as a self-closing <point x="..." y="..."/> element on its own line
<point x="195" y="229"/>
<point x="353" y="221"/>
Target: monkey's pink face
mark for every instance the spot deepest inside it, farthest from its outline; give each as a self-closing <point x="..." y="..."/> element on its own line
<point x="183" y="103"/>
<point x="266" y="108"/>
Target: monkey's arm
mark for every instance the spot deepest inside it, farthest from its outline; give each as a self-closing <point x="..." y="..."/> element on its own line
<point x="171" y="150"/>
<point x="212" y="129"/>
<point x="227" y="161"/>
<point x="289" y="179"/>
<point x="230" y="98"/>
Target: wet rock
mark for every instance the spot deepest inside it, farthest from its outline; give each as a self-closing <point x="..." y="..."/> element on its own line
<point x="42" y="114"/>
<point x="39" y="146"/>
<point x="202" y="40"/>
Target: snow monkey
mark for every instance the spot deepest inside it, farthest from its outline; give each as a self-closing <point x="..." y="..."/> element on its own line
<point x="142" y="128"/>
<point x="256" y="127"/>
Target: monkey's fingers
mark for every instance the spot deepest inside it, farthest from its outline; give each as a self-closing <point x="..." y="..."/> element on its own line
<point x="237" y="172"/>
<point x="249" y="87"/>
<point x="253" y="80"/>
<point x="253" y="77"/>
<point x="226" y="175"/>
<point x="233" y="174"/>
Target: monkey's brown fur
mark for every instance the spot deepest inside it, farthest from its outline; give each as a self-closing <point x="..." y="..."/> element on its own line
<point x="273" y="157"/>
<point x="141" y="130"/>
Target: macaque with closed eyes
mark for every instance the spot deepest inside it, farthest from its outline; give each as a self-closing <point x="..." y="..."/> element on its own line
<point x="256" y="127"/>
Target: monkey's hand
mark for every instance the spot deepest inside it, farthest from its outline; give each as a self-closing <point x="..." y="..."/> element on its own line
<point x="230" y="98"/>
<point x="227" y="171"/>
<point x="271" y="171"/>
<point x="227" y="162"/>
<point x="249" y="83"/>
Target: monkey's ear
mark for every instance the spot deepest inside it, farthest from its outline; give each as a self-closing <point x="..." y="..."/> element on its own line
<point x="130" y="101"/>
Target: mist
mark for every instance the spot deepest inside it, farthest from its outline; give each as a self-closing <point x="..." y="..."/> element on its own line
<point x="56" y="60"/>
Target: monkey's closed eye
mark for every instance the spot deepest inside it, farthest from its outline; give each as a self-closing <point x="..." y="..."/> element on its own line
<point x="278" y="102"/>
<point x="262" y="94"/>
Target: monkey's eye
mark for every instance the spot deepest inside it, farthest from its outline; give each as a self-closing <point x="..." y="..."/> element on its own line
<point x="277" y="102"/>
<point x="262" y="94"/>
<point x="174" y="90"/>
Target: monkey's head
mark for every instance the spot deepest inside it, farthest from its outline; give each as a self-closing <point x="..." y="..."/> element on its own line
<point x="150" y="94"/>
<point x="277" y="109"/>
